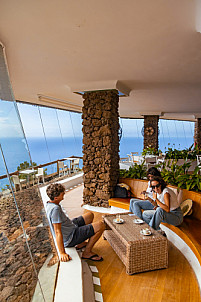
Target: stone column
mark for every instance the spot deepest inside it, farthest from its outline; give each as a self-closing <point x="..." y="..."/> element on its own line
<point x="197" y="133"/>
<point x="151" y="131"/>
<point x="100" y="146"/>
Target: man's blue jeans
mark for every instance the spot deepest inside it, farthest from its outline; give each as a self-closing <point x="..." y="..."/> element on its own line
<point x="155" y="217"/>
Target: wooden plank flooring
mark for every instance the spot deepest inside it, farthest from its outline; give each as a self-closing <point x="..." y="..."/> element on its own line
<point x="177" y="283"/>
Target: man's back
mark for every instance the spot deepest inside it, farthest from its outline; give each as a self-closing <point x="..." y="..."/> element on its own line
<point x="56" y="215"/>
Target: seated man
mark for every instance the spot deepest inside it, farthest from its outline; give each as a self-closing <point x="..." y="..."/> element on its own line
<point x="69" y="233"/>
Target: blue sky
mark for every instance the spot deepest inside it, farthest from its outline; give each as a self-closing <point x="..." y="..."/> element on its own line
<point x="9" y="122"/>
<point x="168" y="128"/>
<point x="70" y="123"/>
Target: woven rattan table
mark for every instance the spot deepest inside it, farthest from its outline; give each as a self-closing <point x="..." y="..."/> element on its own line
<point x="139" y="253"/>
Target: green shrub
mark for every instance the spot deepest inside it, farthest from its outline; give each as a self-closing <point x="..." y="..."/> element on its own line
<point x="137" y="171"/>
<point x="23" y="166"/>
<point x="150" y="151"/>
<point x="188" y="153"/>
<point x="178" y="176"/>
<point x="172" y="173"/>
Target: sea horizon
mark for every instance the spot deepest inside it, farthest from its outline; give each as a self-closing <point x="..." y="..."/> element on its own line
<point x="54" y="148"/>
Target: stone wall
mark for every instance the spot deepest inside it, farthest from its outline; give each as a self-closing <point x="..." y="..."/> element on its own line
<point x="100" y="146"/>
<point x="17" y="276"/>
<point x="151" y="131"/>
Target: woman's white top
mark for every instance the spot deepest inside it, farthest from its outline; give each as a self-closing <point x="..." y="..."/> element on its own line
<point x="149" y="189"/>
<point x="174" y="204"/>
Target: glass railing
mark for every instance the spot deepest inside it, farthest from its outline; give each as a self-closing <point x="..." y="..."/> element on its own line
<point x="24" y="239"/>
<point x="22" y="242"/>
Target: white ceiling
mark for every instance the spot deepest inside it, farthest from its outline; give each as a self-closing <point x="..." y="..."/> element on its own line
<point x="151" y="47"/>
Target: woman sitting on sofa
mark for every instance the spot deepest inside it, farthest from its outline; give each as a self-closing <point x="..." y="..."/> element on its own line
<point x="164" y="206"/>
<point x="149" y="193"/>
<point x="153" y="171"/>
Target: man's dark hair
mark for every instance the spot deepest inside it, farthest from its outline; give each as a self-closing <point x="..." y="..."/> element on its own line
<point x="160" y="180"/>
<point x="54" y="190"/>
<point x="153" y="171"/>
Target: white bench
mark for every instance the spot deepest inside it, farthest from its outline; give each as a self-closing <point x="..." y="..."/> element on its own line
<point x="69" y="286"/>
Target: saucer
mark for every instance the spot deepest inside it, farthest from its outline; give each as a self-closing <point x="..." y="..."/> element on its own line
<point x="120" y="220"/>
<point x="146" y="234"/>
<point x="138" y="221"/>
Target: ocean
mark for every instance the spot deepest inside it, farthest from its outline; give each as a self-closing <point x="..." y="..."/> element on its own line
<point x="42" y="151"/>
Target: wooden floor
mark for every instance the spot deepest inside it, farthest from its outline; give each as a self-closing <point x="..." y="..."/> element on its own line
<point x="177" y="283"/>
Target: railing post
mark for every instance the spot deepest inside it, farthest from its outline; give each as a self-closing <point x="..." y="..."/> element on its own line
<point x="57" y="167"/>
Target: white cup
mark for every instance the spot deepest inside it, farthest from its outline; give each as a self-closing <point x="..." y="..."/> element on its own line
<point x="146" y="231"/>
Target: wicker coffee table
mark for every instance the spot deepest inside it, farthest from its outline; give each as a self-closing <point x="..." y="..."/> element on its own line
<point x="139" y="253"/>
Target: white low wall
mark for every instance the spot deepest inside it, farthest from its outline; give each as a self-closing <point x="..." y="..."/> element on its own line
<point x="72" y="181"/>
<point x="68" y="183"/>
<point x="69" y="285"/>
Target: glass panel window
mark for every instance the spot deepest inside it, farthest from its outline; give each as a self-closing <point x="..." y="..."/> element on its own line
<point x="132" y="139"/>
<point x="12" y="140"/>
<point x="175" y="134"/>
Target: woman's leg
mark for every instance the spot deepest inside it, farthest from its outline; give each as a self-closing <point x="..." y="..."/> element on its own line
<point x="147" y="215"/>
<point x="136" y="206"/>
<point x="174" y="217"/>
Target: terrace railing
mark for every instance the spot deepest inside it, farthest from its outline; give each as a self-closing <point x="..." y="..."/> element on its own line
<point x="47" y="176"/>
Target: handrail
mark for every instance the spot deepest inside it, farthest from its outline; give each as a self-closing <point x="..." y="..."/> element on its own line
<point x="39" y="166"/>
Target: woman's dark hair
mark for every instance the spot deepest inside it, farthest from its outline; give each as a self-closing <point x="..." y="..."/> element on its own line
<point x="160" y="180"/>
<point x="153" y="171"/>
<point x="54" y="190"/>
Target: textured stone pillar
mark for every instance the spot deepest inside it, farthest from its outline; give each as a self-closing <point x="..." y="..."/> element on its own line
<point x="100" y="146"/>
<point x="197" y="133"/>
<point x="151" y="131"/>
